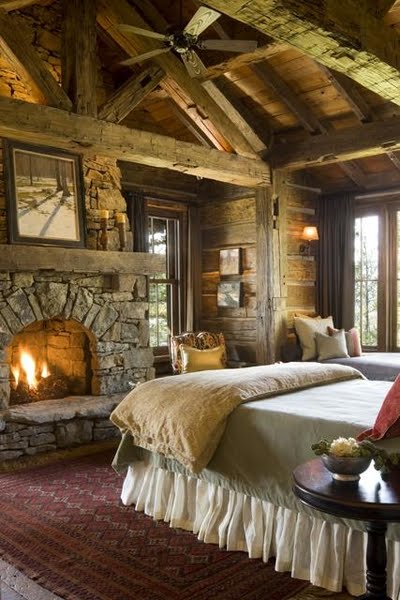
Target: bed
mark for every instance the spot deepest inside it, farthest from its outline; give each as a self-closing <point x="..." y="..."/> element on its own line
<point x="242" y="500"/>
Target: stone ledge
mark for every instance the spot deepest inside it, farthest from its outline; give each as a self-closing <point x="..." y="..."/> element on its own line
<point x="50" y="411"/>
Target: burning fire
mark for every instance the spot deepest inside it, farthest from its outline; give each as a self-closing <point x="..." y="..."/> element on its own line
<point x="27" y="365"/>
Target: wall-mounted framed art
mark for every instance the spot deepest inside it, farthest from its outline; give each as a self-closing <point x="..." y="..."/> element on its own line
<point x="230" y="261"/>
<point x="45" y="201"/>
<point x="229" y="294"/>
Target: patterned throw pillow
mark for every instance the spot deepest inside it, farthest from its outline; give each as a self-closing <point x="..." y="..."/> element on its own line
<point x="387" y="422"/>
<point x="352" y="341"/>
<point x="306" y="329"/>
<point x="201" y="340"/>
<point x="331" y="346"/>
<point x="201" y="360"/>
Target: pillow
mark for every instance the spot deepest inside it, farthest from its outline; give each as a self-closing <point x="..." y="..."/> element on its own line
<point x="331" y="346"/>
<point x="387" y="422"/>
<point x="306" y="329"/>
<point x="352" y="341"/>
<point x="201" y="360"/>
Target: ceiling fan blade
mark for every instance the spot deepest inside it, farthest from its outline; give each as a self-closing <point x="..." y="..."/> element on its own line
<point x="145" y="32"/>
<point x="143" y="57"/>
<point x="202" y="19"/>
<point x="193" y="64"/>
<point x="228" y="45"/>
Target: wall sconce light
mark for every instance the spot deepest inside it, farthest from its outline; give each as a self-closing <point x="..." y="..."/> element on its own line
<point x="310" y="233"/>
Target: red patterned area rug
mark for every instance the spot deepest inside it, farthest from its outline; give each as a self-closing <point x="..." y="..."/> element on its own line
<point x="63" y="526"/>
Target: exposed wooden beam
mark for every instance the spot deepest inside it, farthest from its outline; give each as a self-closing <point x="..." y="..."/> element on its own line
<point x="223" y="93"/>
<point x="8" y="5"/>
<point x="110" y="14"/>
<point x="79" y="54"/>
<point x="350" y="93"/>
<point x="273" y="80"/>
<point x="44" y="125"/>
<point x="130" y="94"/>
<point x="242" y="60"/>
<point x="29" y="65"/>
<point x="265" y="255"/>
<point x="354" y="171"/>
<point x="345" y="144"/>
<point x="194" y="113"/>
<point x="189" y="123"/>
<point x="381" y="7"/>
<point x="336" y="34"/>
<point x="188" y="112"/>
<point x="395" y="158"/>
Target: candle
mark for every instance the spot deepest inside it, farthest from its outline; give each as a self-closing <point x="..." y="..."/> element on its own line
<point x="104" y="214"/>
<point x="120" y="218"/>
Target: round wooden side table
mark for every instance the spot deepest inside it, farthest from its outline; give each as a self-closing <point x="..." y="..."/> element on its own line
<point x="371" y="499"/>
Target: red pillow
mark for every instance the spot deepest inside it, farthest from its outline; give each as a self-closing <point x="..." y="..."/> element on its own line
<point x="387" y="423"/>
<point x="352" y="341"/>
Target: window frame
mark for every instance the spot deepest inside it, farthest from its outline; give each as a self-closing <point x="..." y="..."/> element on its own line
<point x="387" y="211"/>
<point x="177" y="264"/>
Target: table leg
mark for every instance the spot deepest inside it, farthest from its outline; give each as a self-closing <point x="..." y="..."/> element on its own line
<point x="376" y="562"/>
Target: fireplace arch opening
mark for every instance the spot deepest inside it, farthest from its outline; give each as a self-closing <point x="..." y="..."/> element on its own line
<point x="50" y="359"/>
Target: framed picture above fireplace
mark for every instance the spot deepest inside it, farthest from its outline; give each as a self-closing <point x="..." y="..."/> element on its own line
<point x="45" y="201"/>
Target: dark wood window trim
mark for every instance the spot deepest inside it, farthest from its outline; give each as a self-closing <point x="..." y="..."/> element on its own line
<point x="177" y="266"/>
<point x="388" y="292"/>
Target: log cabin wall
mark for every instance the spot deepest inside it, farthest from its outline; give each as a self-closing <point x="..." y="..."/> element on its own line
<point x="301" y="276"/>
<point x="299" y="269"/>
<point x="230" y="224"/>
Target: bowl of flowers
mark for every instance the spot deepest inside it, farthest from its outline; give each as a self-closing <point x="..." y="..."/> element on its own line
<point x="345" y="458"/>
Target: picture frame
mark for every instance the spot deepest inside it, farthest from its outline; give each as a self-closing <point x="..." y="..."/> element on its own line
<point x="45" y="197"/>
<point x="230" y="261"/>
<point x="229" y="294"/>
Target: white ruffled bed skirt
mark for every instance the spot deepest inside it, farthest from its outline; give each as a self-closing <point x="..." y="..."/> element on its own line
<point x="328" y="555"/>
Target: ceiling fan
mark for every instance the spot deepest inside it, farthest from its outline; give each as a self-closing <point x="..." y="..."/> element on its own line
<point x="185" y="41"/>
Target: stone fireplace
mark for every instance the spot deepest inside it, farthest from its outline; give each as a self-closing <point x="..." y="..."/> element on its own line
<point x="52" y="358"/>
<point x="81" y="317"/>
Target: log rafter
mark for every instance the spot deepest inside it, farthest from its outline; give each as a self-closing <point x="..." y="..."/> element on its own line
<point x="119" y="11"/>
<point x="28" y="63"/>
<point x="79" y="55"/>
<point x="222" y="91"/>
<point x="345" y="144"/>
<point x="9" y="5"/>
<point x="49" y="126"/>
<point x="273" y="80"/>
<point x="335" y="34"/>
<point x="130" y="94"/>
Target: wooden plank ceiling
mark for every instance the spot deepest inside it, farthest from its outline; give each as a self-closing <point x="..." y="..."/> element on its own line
<point x="321" y="92"/>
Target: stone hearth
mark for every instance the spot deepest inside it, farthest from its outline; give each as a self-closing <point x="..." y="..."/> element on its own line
<point x="54" y="424"/>
<point x="104" y="295"/>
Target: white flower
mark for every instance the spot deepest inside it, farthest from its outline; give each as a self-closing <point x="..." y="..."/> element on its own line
<point x="344" y="447"/>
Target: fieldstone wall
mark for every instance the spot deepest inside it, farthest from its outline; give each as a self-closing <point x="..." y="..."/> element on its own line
<point x="113" y="309"/>
<point x="102" y="178"/>
<point x="56" y="424"/>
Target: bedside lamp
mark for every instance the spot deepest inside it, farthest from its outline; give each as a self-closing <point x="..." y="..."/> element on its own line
<point x="310" y="233"/>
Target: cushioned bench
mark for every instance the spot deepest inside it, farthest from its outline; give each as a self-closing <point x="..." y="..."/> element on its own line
<point x="374" y="365"/>
<point x="384" y="366"/>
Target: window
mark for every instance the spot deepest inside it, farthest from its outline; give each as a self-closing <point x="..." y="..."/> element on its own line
<point x="377" y="275"/>
<point x="166" y="232"/>
<point x="366" y="244"/>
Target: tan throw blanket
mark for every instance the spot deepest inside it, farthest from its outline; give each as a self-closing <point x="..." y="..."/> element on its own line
<point x="184" y="416"/>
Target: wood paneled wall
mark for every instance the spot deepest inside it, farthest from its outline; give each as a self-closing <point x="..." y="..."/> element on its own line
<point x="232" y="224"/>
